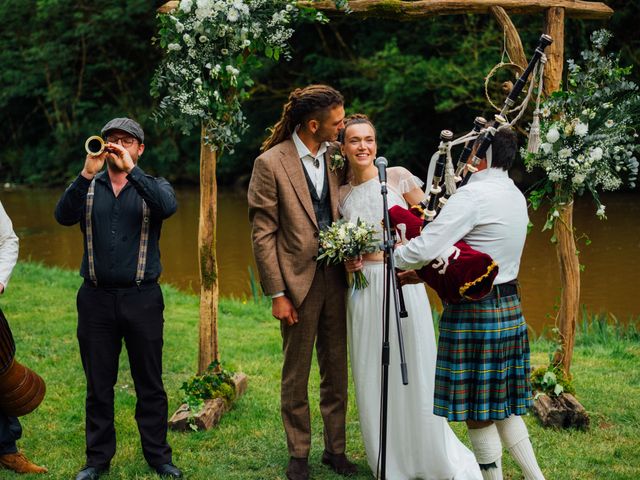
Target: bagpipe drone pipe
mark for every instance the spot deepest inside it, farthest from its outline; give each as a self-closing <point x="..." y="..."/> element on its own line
<point x="462" y="273"/>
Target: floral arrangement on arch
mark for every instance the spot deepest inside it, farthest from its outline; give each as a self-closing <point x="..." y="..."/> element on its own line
<point x="212" y="47"/>
<point x="589" y="132"/>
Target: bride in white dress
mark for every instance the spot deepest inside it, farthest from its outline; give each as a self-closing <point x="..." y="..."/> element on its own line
<point x="420" y="445"/>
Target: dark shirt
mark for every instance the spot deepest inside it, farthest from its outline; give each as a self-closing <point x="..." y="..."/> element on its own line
<point x="117" y="223"/>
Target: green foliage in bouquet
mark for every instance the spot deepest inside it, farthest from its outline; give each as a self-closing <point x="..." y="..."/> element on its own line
<point x="212" y="51"/>
<point x="215" y="382"/>
<point x="589" y="132"/>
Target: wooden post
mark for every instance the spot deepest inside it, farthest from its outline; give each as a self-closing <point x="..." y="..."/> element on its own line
<point x="207" y="257"/>
<point x="566" y="243"/>
<point x="570" y="281"/>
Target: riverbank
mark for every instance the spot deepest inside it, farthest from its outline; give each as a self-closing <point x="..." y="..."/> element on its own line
<point x="249" y="443"/>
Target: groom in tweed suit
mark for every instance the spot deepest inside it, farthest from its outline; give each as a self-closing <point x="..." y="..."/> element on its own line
<point x="293" y="194"/>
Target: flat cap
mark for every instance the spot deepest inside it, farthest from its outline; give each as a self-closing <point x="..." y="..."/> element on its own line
<point x="126" y="125"/>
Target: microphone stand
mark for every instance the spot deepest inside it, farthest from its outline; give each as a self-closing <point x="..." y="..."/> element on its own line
<point x="390" y="288"/>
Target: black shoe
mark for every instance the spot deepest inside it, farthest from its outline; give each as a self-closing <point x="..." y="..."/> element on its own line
<point x="338" y="463"/>
<point x="168" y="470"/>
<point x="91" y="473"/>
<point x="298" y="469"/>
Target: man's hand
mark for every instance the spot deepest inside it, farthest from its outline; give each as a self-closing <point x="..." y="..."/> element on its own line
<point x="93" y="164"/>
<point x="409" y="277"/>
<point x="120" y="157"/>
<point x="353" y="264"/>
<point x="283" y="310"/>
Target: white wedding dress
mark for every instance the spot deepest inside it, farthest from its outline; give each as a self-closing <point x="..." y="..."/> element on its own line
<point x="420" y="445"/>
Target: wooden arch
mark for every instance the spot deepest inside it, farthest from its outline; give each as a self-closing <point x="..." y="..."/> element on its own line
<point x="554" y="12"/>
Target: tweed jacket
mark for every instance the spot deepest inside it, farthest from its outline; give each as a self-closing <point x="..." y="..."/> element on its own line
<point x="284" y="227"/>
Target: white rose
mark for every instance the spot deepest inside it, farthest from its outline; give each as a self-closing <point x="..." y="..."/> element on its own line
<point x="547" y="148"/>
<point x="581" y="129"/>
<point x="564" y="153"/>
<point x="185" y="5"/>
<point x="578" y="179"/>
<point x="553" y="135"/>
<point x="596" y="154"/>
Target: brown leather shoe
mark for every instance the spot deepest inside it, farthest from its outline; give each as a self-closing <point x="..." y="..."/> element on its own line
<point x="298" y="469"/>
<point x="20" y="464"/>
<point x="338" y="463"/>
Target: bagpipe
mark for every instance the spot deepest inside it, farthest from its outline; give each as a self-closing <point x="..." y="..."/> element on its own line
<point x="463" y="273"/>
<point x="21" y="389"/>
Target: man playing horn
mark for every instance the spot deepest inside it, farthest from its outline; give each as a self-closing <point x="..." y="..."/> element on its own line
<point x="10" y="428"/>
<point x="120" y="212"/>
<point x="483" y="365"/>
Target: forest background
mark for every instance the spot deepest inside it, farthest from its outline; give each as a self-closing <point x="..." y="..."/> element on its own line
<point x="68" y="66"/>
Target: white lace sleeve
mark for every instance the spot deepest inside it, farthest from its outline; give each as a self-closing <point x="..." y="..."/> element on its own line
<point x="403" y="180"/>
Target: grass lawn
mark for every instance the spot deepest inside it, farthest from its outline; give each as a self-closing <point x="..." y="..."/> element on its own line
<point x="249" y="443"/>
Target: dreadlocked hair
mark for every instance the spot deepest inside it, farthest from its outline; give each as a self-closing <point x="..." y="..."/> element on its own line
<point x="354" y="119"/>
<point x="303" y="105"/>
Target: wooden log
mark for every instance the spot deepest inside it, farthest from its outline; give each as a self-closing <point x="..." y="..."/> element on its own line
<point x="208" y="351"/>
<point x="515" y="49"/>
<point x="411" y="10"/>
<point x="241" y="382"/>
<point x="205" y="419"/>
<point x="213" y="410"/>
<point x="563" y="411"/>
<point x="554" y="26"/>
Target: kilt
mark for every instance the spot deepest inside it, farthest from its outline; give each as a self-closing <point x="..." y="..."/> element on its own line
<point x="483" y="366"/>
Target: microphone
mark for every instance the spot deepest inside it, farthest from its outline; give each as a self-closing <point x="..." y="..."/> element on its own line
<point x="382" y="163"/>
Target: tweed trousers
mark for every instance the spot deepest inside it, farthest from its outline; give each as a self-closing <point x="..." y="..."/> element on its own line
<point x="321" y="321"/>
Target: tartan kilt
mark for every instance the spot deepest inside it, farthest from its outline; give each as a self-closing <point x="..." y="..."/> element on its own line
<point x="483" y="366"/>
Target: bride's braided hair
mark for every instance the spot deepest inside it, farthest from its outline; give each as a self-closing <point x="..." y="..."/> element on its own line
<point x="354" y="119"/>
<point x="302" y="105"/>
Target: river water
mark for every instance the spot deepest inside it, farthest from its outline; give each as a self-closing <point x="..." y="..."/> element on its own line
<point x="611" y="261"/>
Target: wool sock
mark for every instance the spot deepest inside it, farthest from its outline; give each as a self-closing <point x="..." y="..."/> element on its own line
<point x="488" y="451"/>
<point x="515" y="437"/>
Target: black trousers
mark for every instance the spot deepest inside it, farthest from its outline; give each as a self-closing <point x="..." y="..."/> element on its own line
<point x="10" y="431"/>
<point x="106" y="316"/>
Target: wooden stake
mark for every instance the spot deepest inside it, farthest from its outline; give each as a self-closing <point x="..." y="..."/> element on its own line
<point x="570" y="281"/>
<point x="207" y="255"/>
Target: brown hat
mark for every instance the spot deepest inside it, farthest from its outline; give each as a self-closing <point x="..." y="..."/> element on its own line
<point x="126" y="125"/>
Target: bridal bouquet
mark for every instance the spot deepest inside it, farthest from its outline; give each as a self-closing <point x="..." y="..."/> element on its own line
<point x="343" y="240"/>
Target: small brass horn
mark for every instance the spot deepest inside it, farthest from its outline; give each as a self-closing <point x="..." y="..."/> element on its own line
<point x="94" y="145"/>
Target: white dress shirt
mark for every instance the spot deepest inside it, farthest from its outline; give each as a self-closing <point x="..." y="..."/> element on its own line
<point x="489" y="213"/>
<point x="316" y="173"/>
<point x="8" y="247"/>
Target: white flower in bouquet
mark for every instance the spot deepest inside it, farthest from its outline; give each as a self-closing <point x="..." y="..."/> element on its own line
<point x="553" y="135"/>
<point x="596" y="154"/>
<point x="185" y="5"/>
<point x="232" y="15"/>
<point x="609" y="123"/>
<point x="547" y="148"/>
<point x="564" y="153"/>
<point x="578" y="179"/>
<point x="581" y="129"/>
<point x="600" y="211"/>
